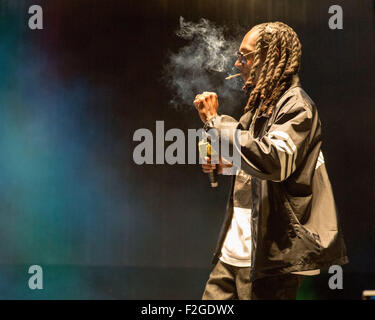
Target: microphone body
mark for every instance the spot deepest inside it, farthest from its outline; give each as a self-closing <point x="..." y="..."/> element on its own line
<point x="212" y="176"/>
<point x="205" y="150"/>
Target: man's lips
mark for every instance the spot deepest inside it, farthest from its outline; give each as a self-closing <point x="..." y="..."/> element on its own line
<point x="244" y="75"/>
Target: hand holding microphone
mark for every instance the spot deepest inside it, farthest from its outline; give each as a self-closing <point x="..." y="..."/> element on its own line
<point x="206" y="153"/>
<point x="211" y="169"/>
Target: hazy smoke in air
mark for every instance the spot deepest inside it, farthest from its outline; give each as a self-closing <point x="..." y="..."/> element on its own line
<point x="202" y="65"/>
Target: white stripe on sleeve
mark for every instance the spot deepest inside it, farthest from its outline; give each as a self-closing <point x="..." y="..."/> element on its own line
<point x="282" y="141"/>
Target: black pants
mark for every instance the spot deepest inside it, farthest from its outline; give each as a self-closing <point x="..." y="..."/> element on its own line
<point x="227" y="282"/>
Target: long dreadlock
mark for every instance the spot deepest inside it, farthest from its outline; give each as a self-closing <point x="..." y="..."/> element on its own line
<point x="278" y="67"/>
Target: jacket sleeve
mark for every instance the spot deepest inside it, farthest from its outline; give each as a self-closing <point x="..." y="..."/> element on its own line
<point x="277" y="154"/>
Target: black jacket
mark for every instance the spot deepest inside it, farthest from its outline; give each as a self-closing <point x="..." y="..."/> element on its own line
<point x="284" y="179"/>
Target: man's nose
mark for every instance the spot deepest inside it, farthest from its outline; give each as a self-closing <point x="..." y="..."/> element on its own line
<point x="237" y="64"/>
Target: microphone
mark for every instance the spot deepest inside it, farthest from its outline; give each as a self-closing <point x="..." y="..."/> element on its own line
<point x="205" y="150"/>
<point x="212" y="177"/>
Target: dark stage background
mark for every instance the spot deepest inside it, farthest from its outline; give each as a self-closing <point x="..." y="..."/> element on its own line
<point x="71" y="96"/>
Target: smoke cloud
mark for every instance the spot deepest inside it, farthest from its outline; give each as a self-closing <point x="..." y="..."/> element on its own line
<point x="203" y="64"/>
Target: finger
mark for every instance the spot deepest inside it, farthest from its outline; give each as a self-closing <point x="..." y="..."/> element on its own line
<point x="210" y="94"/>
<point x="227" y="165"/>
<point x="208" y="169"/>
<point x="198" y="104"/>
<point x="208" y="166"/>
<point x="206" y="96"/>
<point x="224" y="161"/>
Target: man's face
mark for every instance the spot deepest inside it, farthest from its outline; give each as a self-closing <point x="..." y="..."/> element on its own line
<point x="247" y="45"/>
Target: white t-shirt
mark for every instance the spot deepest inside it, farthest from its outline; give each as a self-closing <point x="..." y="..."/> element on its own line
<point x="236" y="249"/>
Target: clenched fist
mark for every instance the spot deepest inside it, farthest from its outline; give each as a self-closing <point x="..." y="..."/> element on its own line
<point x="207" y="104"/>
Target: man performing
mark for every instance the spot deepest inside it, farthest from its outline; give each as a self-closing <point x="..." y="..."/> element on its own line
<point x="281" y="222"/>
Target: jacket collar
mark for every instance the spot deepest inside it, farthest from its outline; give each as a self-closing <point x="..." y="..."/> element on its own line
<point x="294" y="83"/>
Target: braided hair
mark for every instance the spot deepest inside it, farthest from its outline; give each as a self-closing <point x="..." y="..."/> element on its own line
<point x="276" y="59"/>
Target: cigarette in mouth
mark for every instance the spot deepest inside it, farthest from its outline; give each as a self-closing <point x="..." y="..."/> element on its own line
<point x="233" y="76"/>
